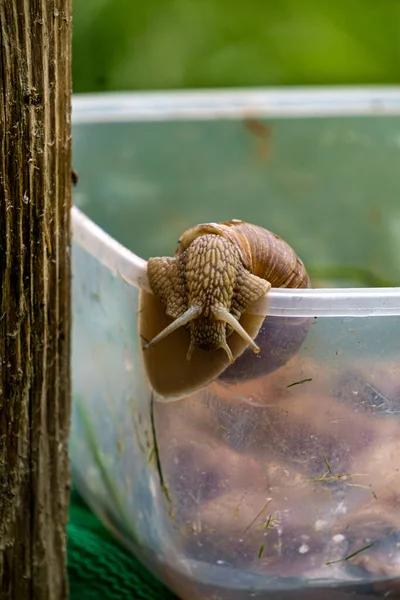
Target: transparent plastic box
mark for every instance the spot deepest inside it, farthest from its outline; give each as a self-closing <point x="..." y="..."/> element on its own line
<point x="282" y="480"/>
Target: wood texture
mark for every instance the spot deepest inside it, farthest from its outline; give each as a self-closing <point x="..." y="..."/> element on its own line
<point x="35" y="197"/>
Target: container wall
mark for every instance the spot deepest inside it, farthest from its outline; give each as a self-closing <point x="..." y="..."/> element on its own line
<point x="260" y="480"/>
<point x="283" y="474"/>
<point x="327" y="185"/>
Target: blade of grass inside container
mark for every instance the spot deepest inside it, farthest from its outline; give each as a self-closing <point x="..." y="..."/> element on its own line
<point x="97" y="459"/>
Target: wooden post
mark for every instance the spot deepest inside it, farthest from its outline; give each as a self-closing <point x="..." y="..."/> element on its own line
<point x="35" y="197"/>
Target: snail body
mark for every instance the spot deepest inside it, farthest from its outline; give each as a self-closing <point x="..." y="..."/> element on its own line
<point x="198" y="320"/>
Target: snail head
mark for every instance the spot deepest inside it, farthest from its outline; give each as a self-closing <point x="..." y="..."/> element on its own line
<point x="205" y="289"/>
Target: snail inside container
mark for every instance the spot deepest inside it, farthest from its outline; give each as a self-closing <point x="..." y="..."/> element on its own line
<point x="198" y="325"/>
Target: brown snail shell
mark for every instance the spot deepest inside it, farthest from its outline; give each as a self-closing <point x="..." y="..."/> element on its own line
<point x="202" y="297"/>
<point x="279" y="339"/>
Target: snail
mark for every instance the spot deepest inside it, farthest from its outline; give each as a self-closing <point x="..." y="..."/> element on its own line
<point x="198" y="321"/>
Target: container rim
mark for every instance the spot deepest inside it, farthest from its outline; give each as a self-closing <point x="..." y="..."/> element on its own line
<point x="323" y="302"/>
<point x="318" y="101"/>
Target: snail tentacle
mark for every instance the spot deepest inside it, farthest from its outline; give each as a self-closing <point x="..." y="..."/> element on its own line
<point x="192" y="313"/>
<point x="228" y="352"/>
<point x="192" y="347"/>
<point x="222" y="314"/>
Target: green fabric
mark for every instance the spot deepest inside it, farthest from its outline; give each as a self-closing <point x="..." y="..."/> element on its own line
<point x="99" y="568"/>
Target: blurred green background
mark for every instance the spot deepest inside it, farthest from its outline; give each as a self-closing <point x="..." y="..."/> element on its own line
<point x="171" y="44"/>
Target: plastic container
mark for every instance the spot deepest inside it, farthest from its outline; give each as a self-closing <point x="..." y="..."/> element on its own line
<point x="284" y="485"/>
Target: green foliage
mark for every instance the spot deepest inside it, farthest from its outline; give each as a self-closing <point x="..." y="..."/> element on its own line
<point x="173" y="44"/>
